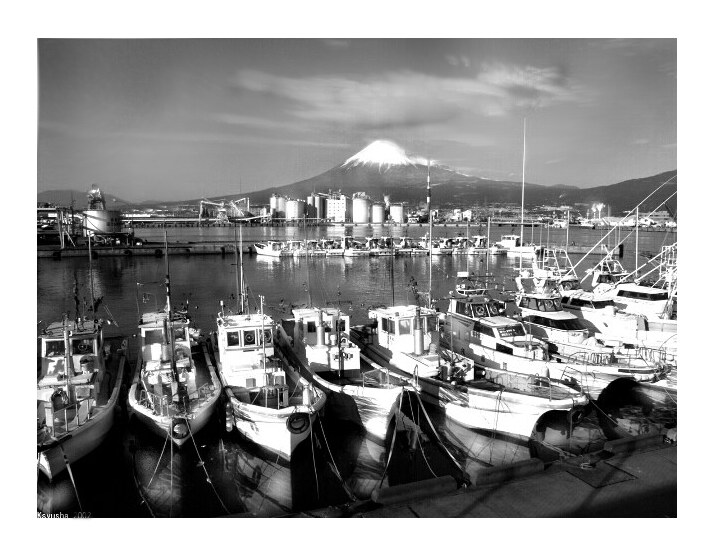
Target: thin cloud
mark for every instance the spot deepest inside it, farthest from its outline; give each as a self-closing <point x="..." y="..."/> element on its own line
<point x="411" y="98"/>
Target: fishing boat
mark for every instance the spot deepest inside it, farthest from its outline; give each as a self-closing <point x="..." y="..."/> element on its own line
<point x="271" y="248"/>
<point x="170" y="394"/>
<point x="439" y="247"/>
<point x="406" y="246"/>
<point x="79" y="379"/>
<point x="263" y="403"/>
<point x="606" y="274"/>
<point x="314" y="341"/>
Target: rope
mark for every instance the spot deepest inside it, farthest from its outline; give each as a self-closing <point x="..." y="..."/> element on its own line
<point x="71" y="477"/>
<point x="208" y="478"/>
<point x="314" y="465"/>
<point x="349" y="492"/>
<point x="391" y="447"/>
<point x="438" y="438"/>
<point x="419" y="440"/>
<point x="159" y="460"/>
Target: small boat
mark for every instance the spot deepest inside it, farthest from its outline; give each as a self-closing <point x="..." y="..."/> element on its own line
<point x="169" y="393"/>
<point x="406" y="246"/>
<point x="407" y="338"/>
<point x="79" y="379"/>
<point x="438" y="246"/>
<point x="271" y="248"/>
<point x="511" y="246"/>
<point x="264" y="403"/>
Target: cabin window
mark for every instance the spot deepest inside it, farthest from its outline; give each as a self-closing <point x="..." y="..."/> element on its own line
<point x="55" y="348"/>
<point x="510" y="331"/>
<point x="80" y="347"/>
<point x="643" y="296"/>
<point x="463" y="308"/>
<point x="431" y="324"/>
<point x="180" y="334"/>
<point x="384" y="324"/>
<point x="153" y="337"/>
<point x="504" y="349"/>
<point x="268" y="336"/>
<point x="568" y="324"/>
<point x="249" y="337"/>
<point x="233" y="338"/>
<point x="343" y="325"/>
<point x="311" y="327"/>
<point x="405" y="326"/>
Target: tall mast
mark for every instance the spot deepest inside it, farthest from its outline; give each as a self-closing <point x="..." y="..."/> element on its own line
<point x="637" y="240"/>
<point x="307" y="264"/>
<point x="523" y="190"/>
<point x="169" y="322"/>
<point x="428" y="209"/>
<point x="91" y="277"/>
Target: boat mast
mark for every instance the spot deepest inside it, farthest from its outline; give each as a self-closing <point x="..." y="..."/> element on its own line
<point x="307" y="265"/>
<point x="488" y="243"/>
<point x="637" y="240"/>
<point x="567" y="230"/>
<point x="523" y="191"/>
<point x="170" y="328"/>
<point x="428" y="209"/>
<point x="91" y="276"/>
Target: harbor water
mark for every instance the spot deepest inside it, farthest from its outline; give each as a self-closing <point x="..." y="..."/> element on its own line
<point x="133" y="475"/>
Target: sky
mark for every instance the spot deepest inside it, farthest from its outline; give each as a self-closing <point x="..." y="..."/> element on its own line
<point x="172" y="119"/>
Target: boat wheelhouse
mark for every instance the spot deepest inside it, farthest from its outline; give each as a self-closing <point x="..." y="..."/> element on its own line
<point x="332" y="247"/>
<point x="608" y="273"/>
<point x="554" y="264"/>
<point x="379" y="247"/>
<point x="79" y="379"/>
<point x="354" y="247"/>
<point x="265" y="404"/>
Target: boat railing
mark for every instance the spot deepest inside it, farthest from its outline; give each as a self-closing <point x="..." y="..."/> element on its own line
<point x="159" y="404"/>
<point x="379" y="376"/>
<point x="68" y="418"/>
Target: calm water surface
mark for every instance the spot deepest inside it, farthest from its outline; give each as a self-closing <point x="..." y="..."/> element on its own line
<point x="133" y="475"/>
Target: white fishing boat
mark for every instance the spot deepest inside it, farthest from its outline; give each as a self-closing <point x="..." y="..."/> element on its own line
<point x="271" y="248"/>
<point x="606" y="274"/>
<point x="314" y="341"/>
<point x="79" y="378"/>
<point x="511" y="246"/>
<point x="407" y="338"/>
<point x="295" y="247"/>
<point x="170" y="394"/>
<point x="264" y="404"/>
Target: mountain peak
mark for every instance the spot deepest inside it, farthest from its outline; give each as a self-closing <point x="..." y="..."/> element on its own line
<point x="383" y="153"/>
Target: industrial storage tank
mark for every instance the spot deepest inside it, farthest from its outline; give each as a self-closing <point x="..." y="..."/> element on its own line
<point x="102" y="221"/>
<point x="320" y="206"/>
<point x="273" y="205"/>
<point x="282" y="201"/>
<point x="377" y="212"/>
<point x="396" y="213"/>
<point x="360" y="210"/>
<point x="294" y="209"/>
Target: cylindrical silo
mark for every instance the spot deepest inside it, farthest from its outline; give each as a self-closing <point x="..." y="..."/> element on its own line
<point x="274" y="204"/>
<point x="377" y="213"/>
<point x="320" y="206"/>
<point x="294" y="209"/>
<point x="282" y="201"/>
<point x="360" y="210"/>
<point x="396" y="212"/>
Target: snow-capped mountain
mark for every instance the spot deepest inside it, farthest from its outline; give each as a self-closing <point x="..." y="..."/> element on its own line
<point x="383" y="153"/>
